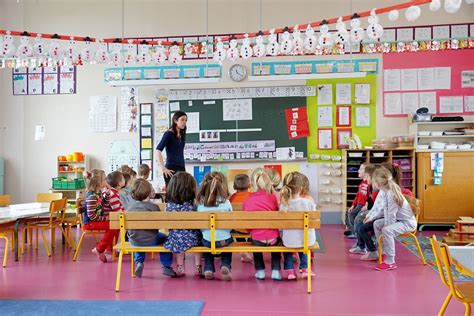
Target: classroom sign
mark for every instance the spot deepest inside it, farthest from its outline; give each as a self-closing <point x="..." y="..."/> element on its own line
<point x="297" y="122"/>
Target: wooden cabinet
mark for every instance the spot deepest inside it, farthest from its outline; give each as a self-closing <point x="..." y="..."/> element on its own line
<point x="443" y="204"/>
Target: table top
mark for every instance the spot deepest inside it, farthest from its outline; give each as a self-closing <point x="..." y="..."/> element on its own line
<point x="16" y="211"/>
<point x="463" y="257"/>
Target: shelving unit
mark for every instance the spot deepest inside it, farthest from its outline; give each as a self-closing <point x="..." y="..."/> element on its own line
<point x="405" y="157"/>
<point x="79" y="167"/>
<point x="416" y="127"/>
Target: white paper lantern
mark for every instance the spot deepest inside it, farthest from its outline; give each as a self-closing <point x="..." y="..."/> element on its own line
<point x="435" y="5"/>
<point x="393" y="15"/>
<point x="452" y="6"/>
<point x="413" y="13"/>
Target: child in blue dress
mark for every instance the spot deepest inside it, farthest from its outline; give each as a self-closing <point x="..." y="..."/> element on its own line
<point x="180" y="194"/>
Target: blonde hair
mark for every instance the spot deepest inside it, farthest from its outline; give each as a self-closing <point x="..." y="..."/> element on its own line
<point x="275" y="177"/>
<point x="94" y="180"/>
<point x="293" y="183"/>
<point x="213" y="190"/>
<point x="305" y="189"/>
<point x="261" y="181"/>
<point x="383" y="178"/>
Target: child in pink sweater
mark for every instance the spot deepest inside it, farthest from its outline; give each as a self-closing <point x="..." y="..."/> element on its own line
<point x="263" y="199"/>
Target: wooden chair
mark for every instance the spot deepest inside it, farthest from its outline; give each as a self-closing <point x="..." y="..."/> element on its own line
<point x="415" y="205"/>
<point x="73" y="220"/>
<point x="80" y="211"/>
<point x="48" y="197"/>
<point x="57" y="212"/>
<point x="8" y="229"/>
<point x="462" y="291"/>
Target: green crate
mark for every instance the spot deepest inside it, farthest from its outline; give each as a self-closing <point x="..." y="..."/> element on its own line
<point x="58" y="182"/>
<point x="64" y="184"/>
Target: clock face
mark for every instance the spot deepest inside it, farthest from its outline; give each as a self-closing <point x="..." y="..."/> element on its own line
<point x="237" y="72"/>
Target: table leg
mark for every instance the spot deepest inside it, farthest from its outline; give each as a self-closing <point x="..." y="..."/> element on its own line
<point x="15" y="234"/>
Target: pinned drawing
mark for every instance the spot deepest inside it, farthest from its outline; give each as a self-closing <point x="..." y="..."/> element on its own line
<point x="237" y="110"/>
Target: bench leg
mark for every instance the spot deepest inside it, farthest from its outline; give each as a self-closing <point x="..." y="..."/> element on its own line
<point x="119" y="272"/>
<point x="309" y="270"/>
<point x="132" y="263"/>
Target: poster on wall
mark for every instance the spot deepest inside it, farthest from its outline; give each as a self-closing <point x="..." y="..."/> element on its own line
<point x="297" y="122"/>
<point x="128" y="110"/>
<point x="46" y="80"/>
<point x="102" y="114"/>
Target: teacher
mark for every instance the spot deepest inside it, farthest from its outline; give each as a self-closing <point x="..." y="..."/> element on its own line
<point x="173" y="140"/>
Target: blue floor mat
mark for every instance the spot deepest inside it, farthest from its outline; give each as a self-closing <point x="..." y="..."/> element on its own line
<point x="116" y="308"/>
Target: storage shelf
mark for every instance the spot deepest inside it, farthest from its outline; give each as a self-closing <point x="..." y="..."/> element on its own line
<point x="444" y="150"/>
<point x="402" y="156"/>
<point x="446" y="136"/>
<point x="443" y="123"/>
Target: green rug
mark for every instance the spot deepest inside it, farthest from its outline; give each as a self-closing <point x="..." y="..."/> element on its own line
<point x="428" y="253"/>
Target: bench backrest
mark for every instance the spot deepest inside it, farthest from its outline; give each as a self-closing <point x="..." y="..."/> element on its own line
<point x="215" y="220"/>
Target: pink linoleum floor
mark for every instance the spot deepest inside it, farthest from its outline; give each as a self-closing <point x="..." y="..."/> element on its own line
<point x="343" y="284"/>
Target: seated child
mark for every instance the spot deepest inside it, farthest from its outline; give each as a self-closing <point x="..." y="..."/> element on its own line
<point x="359" y="201"/>
<point x="180" y="194"/>
<point x="144" y="173"/>
<point x="291" y="200"/>
<point x="263" y="199"/>
<point x="146" y="237"/>
<point x="241" y="187"/>
<point x="214" y="196"/>
<point x="124" y="192"/>
<point x="98" y="209"/>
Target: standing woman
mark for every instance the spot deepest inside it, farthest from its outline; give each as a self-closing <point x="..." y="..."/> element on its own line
<point x="173" y="140"/>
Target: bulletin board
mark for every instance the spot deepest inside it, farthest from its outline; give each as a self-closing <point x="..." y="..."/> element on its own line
<point x="366" y="132"/>
<point x="461" y="68"/>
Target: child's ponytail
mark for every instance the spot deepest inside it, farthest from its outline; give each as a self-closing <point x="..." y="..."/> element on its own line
<point x="293" y="183"/>
<point x="384" y="180"/>
<point x="261" y="181"/>
<point x="213" y="189"/>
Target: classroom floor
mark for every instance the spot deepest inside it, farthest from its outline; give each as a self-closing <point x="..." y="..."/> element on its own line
<point x="343" y="285"/>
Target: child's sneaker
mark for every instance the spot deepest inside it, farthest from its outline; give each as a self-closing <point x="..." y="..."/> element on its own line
<point x="370" y="256"/>
<point x="348" y="232"/>
<point x="99" y="255"/>
<point x="198" y="271"/>
<point x="351" y="236"/>
<point x="276" y="275"/>
<point x="290" y="274"/>
<point x="180" y="270"/>
<point x="169" y="272"/>
<point x="225" y="272"/>
<point x="260" y="275"/>
<point x="358" y="250"/>
<point x="209" y="275"/>
<point x="108" y="255"/>
<point x="385" y="266"/>
<point x="304" y="273"/>
<point x="139" y="269"/>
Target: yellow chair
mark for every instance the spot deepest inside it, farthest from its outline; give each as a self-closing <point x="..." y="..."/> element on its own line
<point x="5" y="255"/>
<point x="81" y="210"/>
<point x="462" y="291"/>
<point x="48" y="197"/>
<point x="415" y="205"/>
<point x="73" y="220"/>
<point x="5" y="201"/>
<point x="57" y="212"/>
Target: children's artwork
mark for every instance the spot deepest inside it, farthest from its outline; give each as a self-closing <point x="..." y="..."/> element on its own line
<point x="324" y="94"/>
<point x="409" y="79"/>
<point x="285" y="153"/>
<point x="237" y="110"/>
<point x="428" y="100"/>
<point x="343" y="136"/>
<point x="426" y="78"/>
<point x="297" y="122"/>
<point x="392" y="103"/>
<point x="40" y="131"/>
<point x="469" y="103"/>
<point x="362" y="116"/>
<point x="102" y="114"/>
<point x="443" y="78"/>
<point x="146" y="154"/>
<point x="146" y="143"/>
<point x="145" y="108"/>
<point x="467" y="79"/>
<point x="209" y="136"/>
<point x="193" y="124"/>
<point x="409" y="102"/>
<point x="45" y="80"/>
<point x="325" y="116"/>
<point x="343" y="93"/>
<point x="129" y="110"/>
<point x="391" y="80"/>
<point x="343" y="116"/>
<point x="451" y="104"/>
<point x="325" y="138"/>
<point x="362" y="93"/>
<point x="122" y="152"/>
<point x="146" y="120"/>
<point x="67" y="80"/>
<point x="200" y="172"/>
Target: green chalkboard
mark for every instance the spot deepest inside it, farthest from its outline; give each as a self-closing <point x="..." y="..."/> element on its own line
<point x="267" y="114"/>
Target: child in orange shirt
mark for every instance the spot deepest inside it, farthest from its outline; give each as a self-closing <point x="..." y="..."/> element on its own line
<point x="241" y="186"/>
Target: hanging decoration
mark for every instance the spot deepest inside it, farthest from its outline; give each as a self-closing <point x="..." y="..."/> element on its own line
<point x="58" y="50"/>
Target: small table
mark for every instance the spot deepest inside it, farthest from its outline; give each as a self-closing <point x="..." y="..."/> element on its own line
<point x="463" y="259"/>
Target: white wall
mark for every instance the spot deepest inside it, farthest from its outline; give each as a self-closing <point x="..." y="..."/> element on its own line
<point x="30" y="165"/>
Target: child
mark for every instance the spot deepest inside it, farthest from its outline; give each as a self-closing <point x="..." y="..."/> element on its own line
<point x="263" y="199"/>
<point x="144" y="173"/>
<point x="214" y="196"/>
<point x="180" y="194"/>
<point x="98" y="209"/>
<point x="124" y="192"/>
<point x="398" y="216"/>
<point x="359" y="201"/>
<point x="146" y="237"/>
<point x="291" y="200"/>
<point x="275" y="178"/>
<point x="241" y="186"/>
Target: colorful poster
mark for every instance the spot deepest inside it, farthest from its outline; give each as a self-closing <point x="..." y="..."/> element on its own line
<point x="200" y="172"/>
<point x="297" y="122"/>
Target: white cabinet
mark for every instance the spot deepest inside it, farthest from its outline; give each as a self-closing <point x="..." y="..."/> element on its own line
<point x="443" y="136"/>
<point x="71" y="171"/>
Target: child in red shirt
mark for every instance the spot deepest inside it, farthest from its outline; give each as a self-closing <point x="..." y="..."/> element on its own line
<point x="359" y="201"/>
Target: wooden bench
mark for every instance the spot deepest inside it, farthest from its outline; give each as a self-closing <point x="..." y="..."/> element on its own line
<point x="213" y="221"/>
